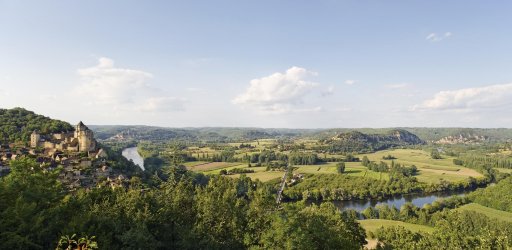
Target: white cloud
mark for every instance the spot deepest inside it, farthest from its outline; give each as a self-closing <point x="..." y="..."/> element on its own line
<point x="397" y="86"/>
<point x="328" y="92"/>
<point x="492" y="96"/>
<point x="434" y="37"/>
<point x="350" y="82"/>
<point x="278" y="92"/>
<point x="118" y="88"/>
<point x="107" y="85"/>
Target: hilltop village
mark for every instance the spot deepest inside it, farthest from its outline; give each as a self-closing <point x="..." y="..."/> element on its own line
<point x="83" y="162"/>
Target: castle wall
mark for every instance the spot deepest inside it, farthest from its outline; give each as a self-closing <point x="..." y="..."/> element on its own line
<point x="82" y="140"/>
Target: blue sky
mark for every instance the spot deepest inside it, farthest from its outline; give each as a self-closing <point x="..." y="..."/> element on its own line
<point x="305" y="64"/>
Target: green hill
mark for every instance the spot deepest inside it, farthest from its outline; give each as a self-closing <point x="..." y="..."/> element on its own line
<point x="17" y="124"/>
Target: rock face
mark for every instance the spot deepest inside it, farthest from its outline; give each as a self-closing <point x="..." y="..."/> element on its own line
<point x="406" y="136"/>
<point x="462" y="139"/>
<point x="359" y="142"/>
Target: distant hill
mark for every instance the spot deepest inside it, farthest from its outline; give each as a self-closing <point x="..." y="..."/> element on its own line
<point x="430" y="135"/>
<point x="215" y="134"/>
<point x="209" y="134"/>
<point x="463" y="135"/>
<point x="17" y="124"/>
<point x="355" y="141"/>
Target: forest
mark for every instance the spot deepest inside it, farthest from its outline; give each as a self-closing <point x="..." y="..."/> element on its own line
<point x="187" y="211"/>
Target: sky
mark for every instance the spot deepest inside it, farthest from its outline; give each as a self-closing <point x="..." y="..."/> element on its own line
<point x="273" y="64"/>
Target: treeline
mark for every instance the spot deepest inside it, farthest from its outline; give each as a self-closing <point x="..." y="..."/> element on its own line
<point x="236" y="171"/>
<point x="344" y="187"/>
<point x="17" y="124"/>
<point x="394" y="169"/>
<point x="486" y="165"/>
<point x="488" y="161"/>
<point x="187" y="211"/>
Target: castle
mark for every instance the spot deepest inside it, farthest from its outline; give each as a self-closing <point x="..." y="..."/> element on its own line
<point x="82" y="140"/>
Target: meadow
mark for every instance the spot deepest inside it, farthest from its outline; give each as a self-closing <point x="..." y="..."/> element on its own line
<point x="489" y="212"/>
<point x="430" y="170"/>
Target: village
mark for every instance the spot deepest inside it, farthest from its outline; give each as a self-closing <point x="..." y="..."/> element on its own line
<point x="83" y="162"/>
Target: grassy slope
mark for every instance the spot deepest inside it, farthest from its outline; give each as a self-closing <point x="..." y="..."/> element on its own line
<point x="372" y="225"/>
<point x="489" y="212"/>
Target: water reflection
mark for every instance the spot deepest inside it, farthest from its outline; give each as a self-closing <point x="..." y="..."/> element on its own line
<point x="417" y="199"/>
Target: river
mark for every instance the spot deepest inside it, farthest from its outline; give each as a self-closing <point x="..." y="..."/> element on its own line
<point x="133" y="154"/>
<point x="417" y="199"/>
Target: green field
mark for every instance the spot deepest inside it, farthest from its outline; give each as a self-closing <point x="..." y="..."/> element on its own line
<point x="262" y="176"/>
<point x="259" y="172"/>
<point x="212" y="166"/>
<point x="371" y="225"/>
<point x="442" y="168"/>
<point x="505" y="170"/>
<point x="430" y="170"/>
<point x="489" y="212"/>
<point x="351" y="168"/>
<point x="193" y="163"/>
<point x="356" y="169"/>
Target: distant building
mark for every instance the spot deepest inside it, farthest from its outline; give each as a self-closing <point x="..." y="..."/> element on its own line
<point x="82" y="140"/>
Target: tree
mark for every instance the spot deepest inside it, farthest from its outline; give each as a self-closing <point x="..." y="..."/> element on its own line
<point x="313" y="227"/>
<point x="365" y="161"/>
<point x="435" y="154"/>
<point x="340" y="167"/>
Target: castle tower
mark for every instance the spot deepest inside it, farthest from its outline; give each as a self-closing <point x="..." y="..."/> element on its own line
<point x="85" y="138"/>
<point x="34" y="139"/>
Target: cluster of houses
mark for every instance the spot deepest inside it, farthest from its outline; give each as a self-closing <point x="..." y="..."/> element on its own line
<point x="83" y="163"/>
